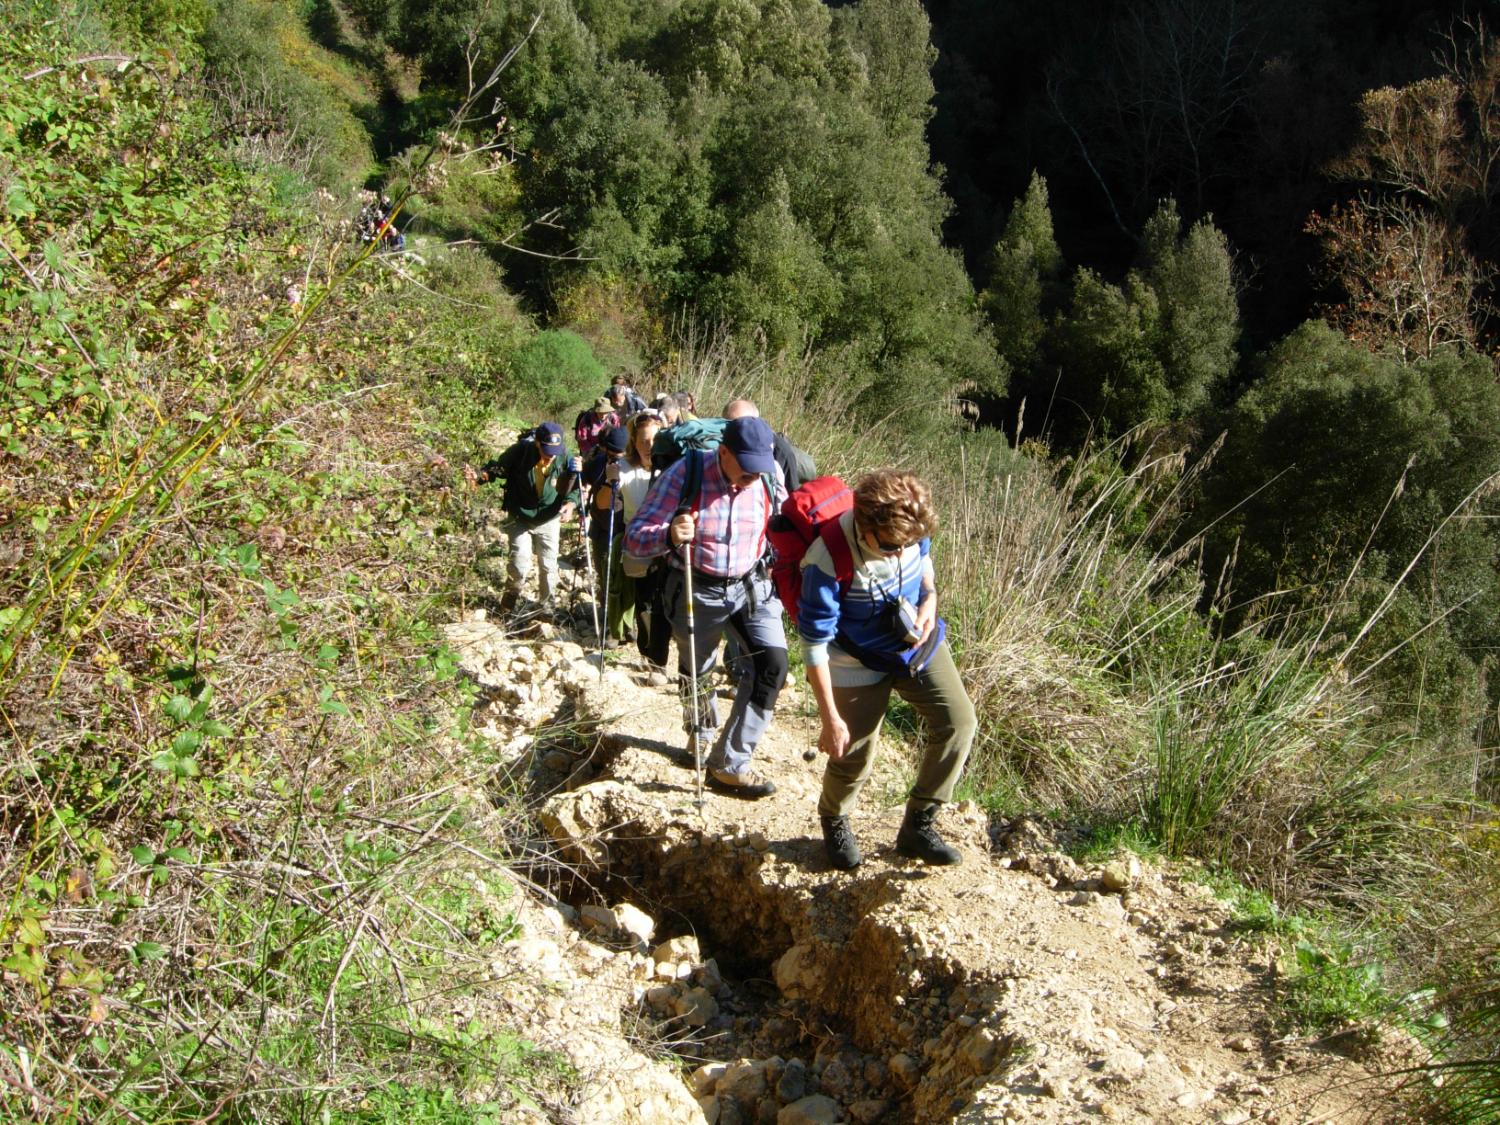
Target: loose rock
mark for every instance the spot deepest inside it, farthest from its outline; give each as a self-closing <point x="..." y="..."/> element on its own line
<point x="816" y="1109"/>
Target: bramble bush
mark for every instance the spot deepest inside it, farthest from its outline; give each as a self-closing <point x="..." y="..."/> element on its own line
<point x="224" y="506"/>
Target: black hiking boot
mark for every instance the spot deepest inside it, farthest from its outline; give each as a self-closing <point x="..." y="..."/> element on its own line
<point x="919" y="839"/>
<point x="839" y="842"/>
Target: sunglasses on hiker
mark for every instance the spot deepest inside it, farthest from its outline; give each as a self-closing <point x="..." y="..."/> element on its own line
<point x="889" y="548"/>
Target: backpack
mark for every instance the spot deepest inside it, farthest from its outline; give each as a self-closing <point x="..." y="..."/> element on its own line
<point x="501" y="467"/>
<point x="702" y="434"/>
<point x="809" y="513"/>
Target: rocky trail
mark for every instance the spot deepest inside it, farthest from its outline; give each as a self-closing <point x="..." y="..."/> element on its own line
<point x="706" y="964"/>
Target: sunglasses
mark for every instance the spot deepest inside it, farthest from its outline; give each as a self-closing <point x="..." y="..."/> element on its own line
<point x="889" y="548"/>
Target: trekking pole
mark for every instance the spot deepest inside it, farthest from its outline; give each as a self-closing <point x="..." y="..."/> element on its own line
<point x="687" y="575"/>
<point x="609" y="566"/>
<point x="588" y="567"/>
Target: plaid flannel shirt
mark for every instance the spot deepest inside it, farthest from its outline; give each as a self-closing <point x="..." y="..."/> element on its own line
<point x="731" y="522"/>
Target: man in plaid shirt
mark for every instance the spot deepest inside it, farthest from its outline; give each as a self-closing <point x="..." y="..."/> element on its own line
<point x="724" y="529"/>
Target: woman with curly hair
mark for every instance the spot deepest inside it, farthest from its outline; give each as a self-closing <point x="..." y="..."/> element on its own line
<point x="869" y="625"/>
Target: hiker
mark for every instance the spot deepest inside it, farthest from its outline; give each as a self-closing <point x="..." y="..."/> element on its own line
<point x="541" y="494"/>
<point x="687" y="406"/>
<point x="722" y="524"/>
<point x="666" y="406"/>
<point x="591" y="424"/>
<point x="797" y="465"/>
<point x="867" y="617"/>
<point x="600" y="474"/>
<point x="644" y="578"/>
<point x="626" y="401"/>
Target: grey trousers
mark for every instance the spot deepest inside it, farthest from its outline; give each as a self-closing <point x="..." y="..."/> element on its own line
<point x="938" y="696"/>
<point x="751" y="614"/>
<point x="538" y="543"/>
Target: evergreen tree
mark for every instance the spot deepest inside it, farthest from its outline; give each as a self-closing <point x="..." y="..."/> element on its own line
<point x="1155" y="350"/>
<point x="1026" y="270"/>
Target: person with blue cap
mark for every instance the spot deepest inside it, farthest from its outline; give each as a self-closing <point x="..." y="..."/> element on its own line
<point x="541" y="494"/>
<point x="709" y="512"/>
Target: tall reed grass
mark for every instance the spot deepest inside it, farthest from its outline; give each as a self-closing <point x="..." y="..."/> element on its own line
<point x="1109" y="692"/>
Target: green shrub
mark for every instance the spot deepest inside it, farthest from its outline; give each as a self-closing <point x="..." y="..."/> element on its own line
<point x="557" y="372"/>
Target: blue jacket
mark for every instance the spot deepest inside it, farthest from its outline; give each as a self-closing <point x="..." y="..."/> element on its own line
<point x="861" y="613"/>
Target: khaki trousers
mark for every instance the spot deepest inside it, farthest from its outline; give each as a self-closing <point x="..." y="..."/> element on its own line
<point x="537" y="544"/>
<point x="938" y="696"/>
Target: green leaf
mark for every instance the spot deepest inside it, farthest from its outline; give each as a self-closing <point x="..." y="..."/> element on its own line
<point x="215" y="729"/>
<point x="179" y="707"/>
<point x="18" y="203"/>
<point x="30" y="932"/>
<point x="181" y="855"/>
<point x="143" y="855"/>
<point x="88" y="978"/>
<point x="53" y="253"/>
<point x="27" y="966"/>
<point x="185" y="742"/>
<point x="149" y="950"/>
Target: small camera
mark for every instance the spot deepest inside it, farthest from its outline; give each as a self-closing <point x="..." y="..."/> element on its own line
<point x="906" y="614"/>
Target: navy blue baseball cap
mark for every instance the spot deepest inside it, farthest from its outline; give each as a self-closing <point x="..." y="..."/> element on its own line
<point x="615" y="439"/>
<point x="549" y="439"/>
<point x="751" y="441"/>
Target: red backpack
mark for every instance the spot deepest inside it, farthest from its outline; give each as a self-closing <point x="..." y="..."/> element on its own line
<point x="810" y="512"/>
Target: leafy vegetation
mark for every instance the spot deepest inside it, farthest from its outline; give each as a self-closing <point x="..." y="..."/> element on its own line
<point x="225" y="559"/>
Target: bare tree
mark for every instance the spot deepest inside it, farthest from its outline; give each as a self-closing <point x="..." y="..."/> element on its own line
<point x="1411" y="286"/>
<point x="1157" y="89"/>
<point x="1405" y="248"/>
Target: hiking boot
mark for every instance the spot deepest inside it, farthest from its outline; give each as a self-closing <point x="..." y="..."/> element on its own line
<point x="746" y="786"/>
<point x="839" y="842"/>
<point x="508" y="602"/>
<point x="919" y="839"/>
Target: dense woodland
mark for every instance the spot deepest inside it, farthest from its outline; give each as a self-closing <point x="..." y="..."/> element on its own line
<point x="1183" y="304"/>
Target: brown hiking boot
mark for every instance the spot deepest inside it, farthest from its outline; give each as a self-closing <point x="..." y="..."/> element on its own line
<point x="746" y="786"/>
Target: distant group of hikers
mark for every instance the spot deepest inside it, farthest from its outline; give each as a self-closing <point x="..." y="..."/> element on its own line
<point x="710" y="528"/>
<point x="377" y="223"/>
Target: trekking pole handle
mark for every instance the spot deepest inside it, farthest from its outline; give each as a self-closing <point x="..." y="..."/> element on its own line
<point x="691" y="525"/>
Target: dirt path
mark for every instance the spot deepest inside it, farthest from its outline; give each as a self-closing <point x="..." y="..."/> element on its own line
<point x="1015" y="987"/>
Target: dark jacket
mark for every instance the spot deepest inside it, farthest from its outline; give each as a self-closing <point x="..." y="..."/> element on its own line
<point x="796" y="465"/>
<point x="521" y="500"/>
<point x="594" y="476"/>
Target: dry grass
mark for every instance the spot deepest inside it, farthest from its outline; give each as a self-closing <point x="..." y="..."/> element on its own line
<point x="1106" y="695"/>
